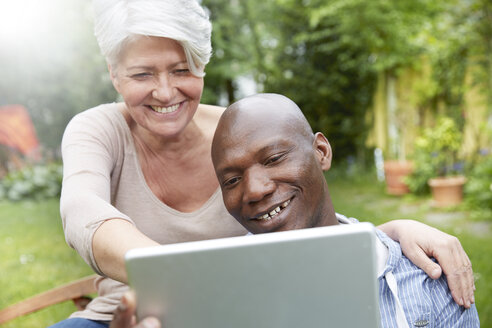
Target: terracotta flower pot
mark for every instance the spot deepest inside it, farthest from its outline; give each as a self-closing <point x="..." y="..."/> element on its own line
<point x="447" y="191"/>
<point x="395" y="172"/>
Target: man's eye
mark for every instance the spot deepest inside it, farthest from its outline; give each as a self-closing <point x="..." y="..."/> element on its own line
<point x="231" y="182"/>
<point x="274" y="158"/>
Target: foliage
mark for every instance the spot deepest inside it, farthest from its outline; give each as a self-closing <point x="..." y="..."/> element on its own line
<point x="478" y="189"/>
<point x="436" y="154"/>
<point x="478" y="14"/>
<point x="58" y="73"/>
<point x="234" y="53"/>
<point x="32" y="182"/>
<point x="448" y="42"/>
<point x="325" y="73"/>
<point x="325" y="55"/>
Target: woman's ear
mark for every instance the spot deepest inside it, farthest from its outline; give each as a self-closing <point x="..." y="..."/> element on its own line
<point x="323" y="150"/>
<point x="114" y="78"/>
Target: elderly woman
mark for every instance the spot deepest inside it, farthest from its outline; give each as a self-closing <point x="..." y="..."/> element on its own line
<point x="139" y="173"/>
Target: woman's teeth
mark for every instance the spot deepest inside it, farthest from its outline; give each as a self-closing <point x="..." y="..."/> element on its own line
<point x="274" y="212"/>
<point x="169" y="109"/>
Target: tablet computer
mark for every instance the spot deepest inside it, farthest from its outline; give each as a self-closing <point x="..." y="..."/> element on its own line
<point x="319" y="277"/>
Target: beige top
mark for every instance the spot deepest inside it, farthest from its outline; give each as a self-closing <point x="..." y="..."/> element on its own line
<point x="102" y="179"/>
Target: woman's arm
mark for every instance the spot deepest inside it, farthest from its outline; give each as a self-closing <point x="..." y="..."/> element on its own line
<point x="111" y="241"/>
<point x="97" y="230"/>
<point x="420" y="242"/>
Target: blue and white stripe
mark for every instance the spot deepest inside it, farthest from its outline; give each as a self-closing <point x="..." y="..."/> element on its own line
<point x="425" y="302"/>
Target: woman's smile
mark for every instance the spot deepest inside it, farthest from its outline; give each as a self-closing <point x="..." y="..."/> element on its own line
<point x="168" y="109"/>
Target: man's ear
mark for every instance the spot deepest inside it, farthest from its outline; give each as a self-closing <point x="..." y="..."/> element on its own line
<point x="114" y="78"/>
<point x="323" y="150"/>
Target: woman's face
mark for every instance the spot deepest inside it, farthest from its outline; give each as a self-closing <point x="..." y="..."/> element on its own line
<point x="154" y="79"/>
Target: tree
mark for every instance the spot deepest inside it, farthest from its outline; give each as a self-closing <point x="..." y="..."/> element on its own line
<point x="235" y="49"/>
<point x="55" y="70"/>
<point x="330" y="54"/>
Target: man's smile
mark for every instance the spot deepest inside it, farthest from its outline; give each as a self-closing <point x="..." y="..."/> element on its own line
<point x="274" y="211"/>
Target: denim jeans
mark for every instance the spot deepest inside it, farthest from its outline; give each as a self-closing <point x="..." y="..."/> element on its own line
<point x="80" y="323"/>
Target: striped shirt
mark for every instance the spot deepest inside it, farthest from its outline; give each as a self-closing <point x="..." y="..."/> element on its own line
<point x="408" y="297"/>
<point x="425" y="302"/>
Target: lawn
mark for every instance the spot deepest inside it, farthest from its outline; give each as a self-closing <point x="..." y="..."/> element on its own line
<point x="35" y="256"/>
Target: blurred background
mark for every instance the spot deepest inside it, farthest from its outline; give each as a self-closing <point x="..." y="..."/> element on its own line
<point x="402" y="89"/>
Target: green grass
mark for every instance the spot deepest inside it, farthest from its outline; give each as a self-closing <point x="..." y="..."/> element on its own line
<point x="34" y="256"/>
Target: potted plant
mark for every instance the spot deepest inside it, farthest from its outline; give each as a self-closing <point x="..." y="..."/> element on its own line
<point x="395" y="172"/>
<point x="437" y="163"/>
<point x="396" y="165"/>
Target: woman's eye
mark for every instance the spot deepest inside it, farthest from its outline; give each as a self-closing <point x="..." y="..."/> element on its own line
<point x="141" y="75"/>
<point x="182" y="71"/>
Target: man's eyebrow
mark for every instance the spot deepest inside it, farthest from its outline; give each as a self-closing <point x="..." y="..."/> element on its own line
<point x="222" y="172"/>
<point x="275" y="145"/>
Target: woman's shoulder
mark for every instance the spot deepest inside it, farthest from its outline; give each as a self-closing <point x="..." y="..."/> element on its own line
<point x="104" y="121"/>
<point x="103" y="111"/>
<point x="211" y="112"/>
<point x="207" y="116"/>
<point x="97" y="117"/>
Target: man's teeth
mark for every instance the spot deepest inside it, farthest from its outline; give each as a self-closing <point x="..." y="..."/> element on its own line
<point x="169" y="109"/>
<point x="274" y="212"/>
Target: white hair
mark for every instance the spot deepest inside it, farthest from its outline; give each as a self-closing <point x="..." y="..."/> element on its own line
<point x="118" y="22"/>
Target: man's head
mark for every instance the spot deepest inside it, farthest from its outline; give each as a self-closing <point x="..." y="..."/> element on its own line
<point x="270" y="166"/>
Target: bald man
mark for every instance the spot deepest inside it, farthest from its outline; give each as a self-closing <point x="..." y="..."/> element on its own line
<point x="270" y="168"/>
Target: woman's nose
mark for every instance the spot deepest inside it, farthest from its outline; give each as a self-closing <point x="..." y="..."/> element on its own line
<point x="163" y="89"/>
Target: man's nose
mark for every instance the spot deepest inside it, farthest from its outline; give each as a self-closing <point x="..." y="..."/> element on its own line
<point x="257" y="185"/>
<point x="163" y="89"/>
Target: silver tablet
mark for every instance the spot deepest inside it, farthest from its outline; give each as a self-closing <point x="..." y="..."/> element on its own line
<point x="320" y="277"/>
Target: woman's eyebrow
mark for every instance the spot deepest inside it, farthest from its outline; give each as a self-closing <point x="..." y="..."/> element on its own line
<point x="140" y="67"/>
<point x="146" y="67"/>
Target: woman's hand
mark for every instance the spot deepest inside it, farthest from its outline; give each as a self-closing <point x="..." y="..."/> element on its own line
<point x="124" y="316"/>
<point x="420" y="242"/>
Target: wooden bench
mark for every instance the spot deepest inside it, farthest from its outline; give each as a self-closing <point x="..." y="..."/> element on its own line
<point x="76" y="291"/>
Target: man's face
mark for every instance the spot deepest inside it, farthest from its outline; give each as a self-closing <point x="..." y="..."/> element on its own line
<point x="271" y="176"/>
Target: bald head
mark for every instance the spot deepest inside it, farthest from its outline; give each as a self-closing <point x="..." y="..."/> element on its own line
<point x="261" y="112"/>
<point x="270" y="165"/>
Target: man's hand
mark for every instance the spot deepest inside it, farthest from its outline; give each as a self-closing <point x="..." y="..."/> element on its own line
<point x="419" y="242"/>
<point x="124" y="316"/>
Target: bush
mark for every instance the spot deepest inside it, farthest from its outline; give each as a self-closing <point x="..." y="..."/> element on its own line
<point x="436" y="154"/>
<point x="478" y="189"/>
<point x="32" y="182"/>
